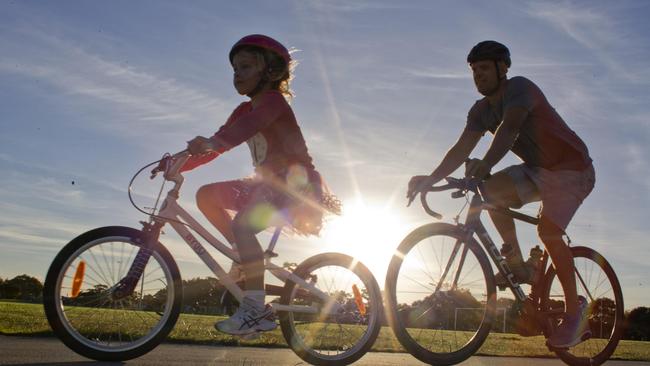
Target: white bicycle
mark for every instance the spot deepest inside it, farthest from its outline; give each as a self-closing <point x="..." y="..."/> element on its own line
<point x="114" y="293"/>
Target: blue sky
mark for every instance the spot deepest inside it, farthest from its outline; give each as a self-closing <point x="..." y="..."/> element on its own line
<point x="92" y="91"/>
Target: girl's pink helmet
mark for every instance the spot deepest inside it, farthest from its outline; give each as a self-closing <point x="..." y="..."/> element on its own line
<point x="262" y="41"/>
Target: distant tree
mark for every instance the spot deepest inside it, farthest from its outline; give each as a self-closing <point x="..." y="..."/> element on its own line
<point x="90" y="297"/>
<point x="603" y="313"/>
<point x="200" y="294"/>
<point x="638" y="324"/>
<point x="2" y="289"/>
<point x="9" y="291"/>
<point x="439" y="311"/>
<point x="24" y="288"/>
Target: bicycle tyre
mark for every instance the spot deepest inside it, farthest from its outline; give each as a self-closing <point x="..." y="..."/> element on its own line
<point x="596" y="350"/>
<point x="437" y="232"/>
<point x="348" y="322"/>
<point x="66" y="314"/>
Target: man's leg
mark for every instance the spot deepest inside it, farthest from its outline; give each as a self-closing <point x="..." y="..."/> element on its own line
<point x="501" y="191"/>
<point x="563" y="192"/>
<point x="574" y="327"/>
<point x="511" y="188"/>
<point x="551" y="236"/>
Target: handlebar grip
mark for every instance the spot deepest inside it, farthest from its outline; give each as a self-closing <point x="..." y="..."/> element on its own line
<point x="425" y="205"/>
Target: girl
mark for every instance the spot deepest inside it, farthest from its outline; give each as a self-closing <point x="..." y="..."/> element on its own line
<point x="285" y="182"/>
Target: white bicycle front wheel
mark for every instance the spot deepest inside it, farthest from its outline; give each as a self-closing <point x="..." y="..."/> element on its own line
<point x="82" y="310"/>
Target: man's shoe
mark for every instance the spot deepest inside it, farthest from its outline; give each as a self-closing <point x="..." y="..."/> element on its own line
<point x="251" y="317"/>
<point x="573" y="329"/>
<point x="525" y="272"/>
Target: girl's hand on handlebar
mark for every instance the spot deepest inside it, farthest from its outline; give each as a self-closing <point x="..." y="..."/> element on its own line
<point x="163" y="164"/>
<point x="200" y="145"/>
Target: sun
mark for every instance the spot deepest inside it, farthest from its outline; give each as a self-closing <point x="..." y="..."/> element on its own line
<point x="368" y="232"/>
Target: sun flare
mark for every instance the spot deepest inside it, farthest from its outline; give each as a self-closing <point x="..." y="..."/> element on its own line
<point x="368" y="232"/>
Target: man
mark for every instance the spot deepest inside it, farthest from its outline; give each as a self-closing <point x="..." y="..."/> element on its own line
<point x="556" y="169"/>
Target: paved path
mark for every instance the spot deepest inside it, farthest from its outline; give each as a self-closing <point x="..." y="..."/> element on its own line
<point x="51" y="352"/>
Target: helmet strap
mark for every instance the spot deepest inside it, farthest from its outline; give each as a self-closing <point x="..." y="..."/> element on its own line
<point x="496" y="68"/>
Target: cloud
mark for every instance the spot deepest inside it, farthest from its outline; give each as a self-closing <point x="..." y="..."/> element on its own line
<point x="635" y="161"/>
<point x="596" y="30"/>
<point x="35" y="179"/>
<point x="586" y="26"/>
<point x="35" y="231"/>
<point x="27" y="240"/>
<point x="343" y="6"/>
<point x="144" y="98"/>
<point x="437" y="74"/>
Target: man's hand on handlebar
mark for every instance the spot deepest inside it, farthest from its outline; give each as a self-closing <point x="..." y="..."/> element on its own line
<point x="417" y="184"/>
<point x="477" y="168"/>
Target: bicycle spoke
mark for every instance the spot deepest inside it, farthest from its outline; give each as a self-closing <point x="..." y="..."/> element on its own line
<point x="594" y="279"/>
<point x="96" y="320"/>
<point x="337" y="332"/>
<point x="99" y="274"/>
<point x="441" y="288"/>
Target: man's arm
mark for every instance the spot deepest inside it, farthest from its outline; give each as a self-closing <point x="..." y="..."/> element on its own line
<point x="452" y="160"/>
<point x="505" y="135"/>
<point x="504" y="138"/>
<point x="456" y="155"/>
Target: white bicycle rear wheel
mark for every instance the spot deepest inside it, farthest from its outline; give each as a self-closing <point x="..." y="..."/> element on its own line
<point x="346" y="325"/>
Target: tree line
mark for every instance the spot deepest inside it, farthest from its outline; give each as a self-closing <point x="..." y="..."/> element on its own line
<point x="208" y="296"/>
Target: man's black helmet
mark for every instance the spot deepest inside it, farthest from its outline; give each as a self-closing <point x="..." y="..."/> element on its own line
<point x="489" y="50"/>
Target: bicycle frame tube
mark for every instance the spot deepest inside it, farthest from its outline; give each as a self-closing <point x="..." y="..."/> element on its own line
<point x="463" y="255"/>
<point x="284" y="275"/>
<point x="499" y="260"/>
<point x="474" y="225"/>
<point x="171" y="211"/>
<point x="534" y="221"/>
<point x="452" y="258"/>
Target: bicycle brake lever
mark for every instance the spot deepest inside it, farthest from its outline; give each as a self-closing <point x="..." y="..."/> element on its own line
<point x="163" y="164"/>
<point x="154" y="173"/>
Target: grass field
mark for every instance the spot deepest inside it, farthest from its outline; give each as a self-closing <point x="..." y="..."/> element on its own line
<point x="29" y="320"/>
